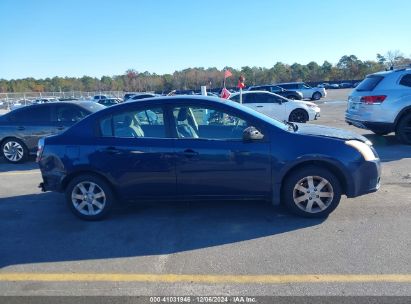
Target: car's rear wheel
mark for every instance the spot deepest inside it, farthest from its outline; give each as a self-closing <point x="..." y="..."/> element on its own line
<point x="403" y="131"/>
<point x="89" y="197"/>
<point x="14" y="150"/>
<point x="316" y="96"/>
<point x="298" y="115"/>
<point x="311" y="192"/>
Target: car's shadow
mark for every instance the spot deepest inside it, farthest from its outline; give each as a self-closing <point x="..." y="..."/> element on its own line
<point x="39" y="228"/>
<point x="389" y="148"/>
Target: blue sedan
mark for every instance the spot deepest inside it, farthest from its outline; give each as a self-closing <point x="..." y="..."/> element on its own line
<point x="202" y="148"/>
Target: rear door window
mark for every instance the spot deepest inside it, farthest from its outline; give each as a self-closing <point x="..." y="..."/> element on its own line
<point x="32" y="114"/>
<point x="148" y="122"/>
<point x="369" y="83"/>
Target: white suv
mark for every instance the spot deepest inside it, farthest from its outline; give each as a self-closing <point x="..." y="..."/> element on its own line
<point x="278" y="107"/>
<point x="307" y="91"/>
<point x="382" y="103"/>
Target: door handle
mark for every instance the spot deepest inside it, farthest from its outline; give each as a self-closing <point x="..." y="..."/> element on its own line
<point x="190" y="153"/>
<point x="259" y="106"/>
<point x="241" y="152"/>
<point x="60" y="128"/>
<point x="21" y="128"/>
<point x="112" y="150"/>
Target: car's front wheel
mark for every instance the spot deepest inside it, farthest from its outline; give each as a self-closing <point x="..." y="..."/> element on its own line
<point x="298" y="115"/>
<point x="89" y="197"/>
<point x="311" y="192"/>
<point x="403" y="131"/>
<point x="14" y="150"/>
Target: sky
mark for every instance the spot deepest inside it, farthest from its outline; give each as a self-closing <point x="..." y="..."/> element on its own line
<point x="47" y="38"/>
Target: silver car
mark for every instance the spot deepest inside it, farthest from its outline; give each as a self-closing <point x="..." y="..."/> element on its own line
<point x="382" y="103"/>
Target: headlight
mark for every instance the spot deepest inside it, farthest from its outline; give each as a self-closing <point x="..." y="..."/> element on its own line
<point x="363" y="148"/>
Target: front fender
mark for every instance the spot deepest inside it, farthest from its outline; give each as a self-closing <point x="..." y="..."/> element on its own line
<point x="334" y="165"/>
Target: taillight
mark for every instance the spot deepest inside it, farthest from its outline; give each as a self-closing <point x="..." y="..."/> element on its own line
<point x="40" y="148"/>
<point x="378" y="99"/>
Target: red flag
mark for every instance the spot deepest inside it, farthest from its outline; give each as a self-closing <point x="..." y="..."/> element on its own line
<point x="227" y="73"/>
<point x="225" y="94"/>
<point x="241" y="85"/>
<point x="241" y="82"/>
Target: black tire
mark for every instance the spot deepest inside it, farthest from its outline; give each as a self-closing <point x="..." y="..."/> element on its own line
<point x="298" y="115"/>
<point x="297" y="178"/>
<point x="403" y="130"/>
<point x="317" y="96"/>
<point x="291" y="97"/>
<point x="75" y="203"/>
<point x="11" y="145"/>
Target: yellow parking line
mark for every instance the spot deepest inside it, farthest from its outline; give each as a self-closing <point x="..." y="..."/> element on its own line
<point x="211" y="279"/>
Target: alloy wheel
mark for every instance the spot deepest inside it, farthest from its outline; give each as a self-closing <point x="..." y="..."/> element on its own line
<point x="13" y="151"/>
<point x="313" y="194"/>
<point x="298" y="116"/>
<point x="88" y="198"/>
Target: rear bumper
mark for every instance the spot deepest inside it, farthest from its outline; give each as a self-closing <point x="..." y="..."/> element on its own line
<point x="51" y="183"/>
<point x="383" y="127"/>
<point x="365" y="179"/>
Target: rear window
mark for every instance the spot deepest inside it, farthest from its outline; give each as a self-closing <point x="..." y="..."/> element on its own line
<point x="406" y="80"/>
<point x="369" y="83"/>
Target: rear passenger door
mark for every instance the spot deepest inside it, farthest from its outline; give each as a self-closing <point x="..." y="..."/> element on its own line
<point x="134" y="150"/>
<point x="31" y="123"/>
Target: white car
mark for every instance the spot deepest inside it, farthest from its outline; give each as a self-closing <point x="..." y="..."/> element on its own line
<point x="308" y="92"/>
<point x="278" y="107"/>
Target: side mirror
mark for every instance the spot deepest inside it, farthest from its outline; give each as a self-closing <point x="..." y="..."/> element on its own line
<point x="251" y="134"/>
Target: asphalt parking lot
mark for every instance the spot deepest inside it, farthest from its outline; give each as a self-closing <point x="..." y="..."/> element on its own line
<point x="252" y="248"/>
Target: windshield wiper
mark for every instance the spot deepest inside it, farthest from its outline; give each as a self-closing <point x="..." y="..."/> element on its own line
<point x="291" y="124"/>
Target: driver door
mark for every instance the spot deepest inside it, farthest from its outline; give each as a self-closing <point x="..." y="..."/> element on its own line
<point x="214" y="161"/>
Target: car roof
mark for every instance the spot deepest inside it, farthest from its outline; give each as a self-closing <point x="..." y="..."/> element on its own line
<point x="263" y="85"/>
<point x="389" y="72"/>
<point x="49" y="104"/>
<point x="297" y="82"/>
<point x="162" y="100"/>
<point x="254" y="92"/>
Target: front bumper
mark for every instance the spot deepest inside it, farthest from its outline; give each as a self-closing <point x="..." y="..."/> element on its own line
<point x="365" y="179"/>
<point x="314" y="114"/>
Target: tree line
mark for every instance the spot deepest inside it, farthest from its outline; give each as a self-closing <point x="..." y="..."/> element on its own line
<point x="349" y="67"/>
